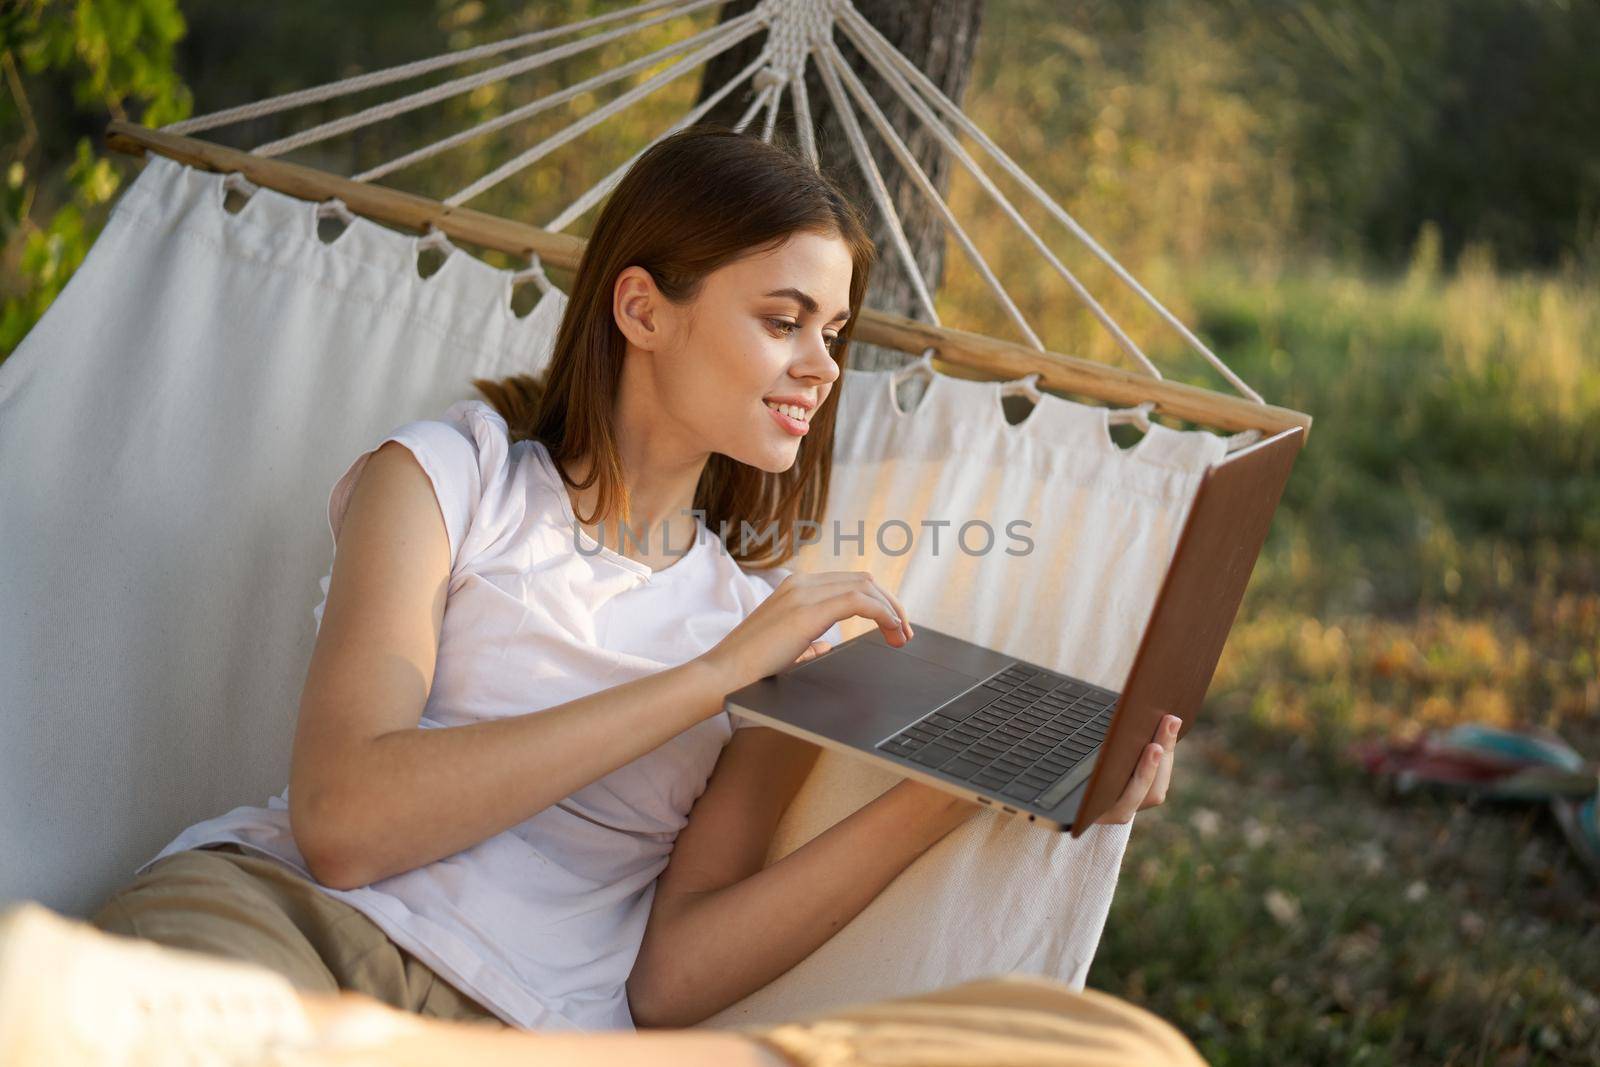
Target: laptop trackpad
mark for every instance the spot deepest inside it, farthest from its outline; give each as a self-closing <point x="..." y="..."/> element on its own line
<point x="864" y="692"/>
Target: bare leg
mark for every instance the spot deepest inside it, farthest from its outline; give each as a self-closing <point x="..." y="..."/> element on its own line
<point x="71" y="993"/>
<point x="356" y="1030"/>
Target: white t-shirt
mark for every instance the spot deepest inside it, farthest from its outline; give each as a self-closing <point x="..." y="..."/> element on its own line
<point x="541" y="923"/>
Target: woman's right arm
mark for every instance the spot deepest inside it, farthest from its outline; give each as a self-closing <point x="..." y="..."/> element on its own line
<point x="370" y="795"/>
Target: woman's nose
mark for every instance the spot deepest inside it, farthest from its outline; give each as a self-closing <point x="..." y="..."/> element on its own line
<point x="819" y="362"/>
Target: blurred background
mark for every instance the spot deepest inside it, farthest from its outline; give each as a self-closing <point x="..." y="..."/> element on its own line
<point x="1385" y="215"/>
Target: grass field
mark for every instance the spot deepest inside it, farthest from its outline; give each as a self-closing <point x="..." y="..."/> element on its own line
<point x="1436" y="560"/>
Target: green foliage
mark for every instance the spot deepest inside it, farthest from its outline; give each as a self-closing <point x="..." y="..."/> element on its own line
<point x="1367" y="119"/>
<point x="116" y="50"/>
<point x="109" y="54"/>
<point x="1458" y="423"/>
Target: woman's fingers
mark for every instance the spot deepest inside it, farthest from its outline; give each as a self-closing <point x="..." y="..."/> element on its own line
<point x="1151" y="776"/>
<point x="866" y="601"/>
<point x="858" y="596"/>
<point x="1169" y="741"/>
<point x="899" y="609"/>
<point x="1144" y="776"/>
<point x="894" y="620"/>
<point x="821" y="585"/>
<point x="889" y="598"/>
<point x="813" y="650"/>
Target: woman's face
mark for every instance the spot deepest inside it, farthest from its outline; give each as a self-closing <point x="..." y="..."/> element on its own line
<point x="762" y="330"/>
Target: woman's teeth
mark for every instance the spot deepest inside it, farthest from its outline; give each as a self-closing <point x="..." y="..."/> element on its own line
<point x="790" y="410"/>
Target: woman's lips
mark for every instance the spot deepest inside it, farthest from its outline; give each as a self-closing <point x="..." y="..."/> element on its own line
<point x="792" y="426"/>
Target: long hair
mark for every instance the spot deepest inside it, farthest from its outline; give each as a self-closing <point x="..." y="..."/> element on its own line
<point x="695" y="200"/>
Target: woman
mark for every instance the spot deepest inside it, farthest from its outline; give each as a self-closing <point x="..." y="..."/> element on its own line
<point x="513" y="710"/>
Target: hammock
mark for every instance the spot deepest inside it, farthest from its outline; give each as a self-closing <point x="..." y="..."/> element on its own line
<point x="170" y="428"/>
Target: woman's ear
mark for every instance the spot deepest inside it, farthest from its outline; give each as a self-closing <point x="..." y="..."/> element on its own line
<point x="636" y="305"/>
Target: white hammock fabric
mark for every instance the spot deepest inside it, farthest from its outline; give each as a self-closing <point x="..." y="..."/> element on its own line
<point x="997" y="894"/>
<point x="169" y="432"/>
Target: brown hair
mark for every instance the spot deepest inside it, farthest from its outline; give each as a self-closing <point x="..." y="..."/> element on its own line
<point x="695" y="200"/>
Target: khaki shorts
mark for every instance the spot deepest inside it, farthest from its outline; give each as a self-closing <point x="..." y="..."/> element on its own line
<point x="222" y="901"/>
<point x="219" y="900"/>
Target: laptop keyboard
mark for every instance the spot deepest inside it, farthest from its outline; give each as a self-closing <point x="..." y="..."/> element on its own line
<point x="1016" y="734"/>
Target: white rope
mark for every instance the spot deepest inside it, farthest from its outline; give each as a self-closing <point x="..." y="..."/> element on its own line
<point x="735" y="30"/>
<point x="831" y="59"/>
<point x="1234" y="442"/>
<point x="436" y="239"/>
<point x="458" y="86"/>
<point x="869" y="51"/>
<point x="544" y="103"/>
<point x="598" y="192"/>
<point x="337" y="208"/>
<point x="852" y="18"/>
<point x="798" y="29"/>
<point x="772" y="111"/>
<point x="880" y="192"/>
<point x="802" y="116"/>
<point x="318" y="93"/>
<point x="796" y="26"/>
<point x="755" y="105"/>
<point x="534" y="271"/>
<point x="240" y="184"/>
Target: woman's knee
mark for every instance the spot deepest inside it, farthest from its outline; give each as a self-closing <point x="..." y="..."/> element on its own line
<point x="113" y="918"/>
<point x="199" y="901"/>
<point x="1017" y="1017"/>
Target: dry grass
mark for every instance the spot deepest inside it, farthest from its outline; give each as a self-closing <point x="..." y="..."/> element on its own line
<point x="1436" y="561"/>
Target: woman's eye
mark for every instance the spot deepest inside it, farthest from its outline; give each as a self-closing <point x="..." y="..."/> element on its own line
<point x="787" y="327"/>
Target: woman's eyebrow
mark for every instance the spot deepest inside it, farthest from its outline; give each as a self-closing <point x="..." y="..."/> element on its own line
<point x="807" y="302"/>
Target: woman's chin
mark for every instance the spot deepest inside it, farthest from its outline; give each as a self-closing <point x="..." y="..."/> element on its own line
<point x="773" y="460"/>
<point x="778" y="466"/>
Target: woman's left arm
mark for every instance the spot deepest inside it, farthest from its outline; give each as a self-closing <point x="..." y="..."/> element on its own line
<point x="723" y="926"/>
<point x="711" y="943"/>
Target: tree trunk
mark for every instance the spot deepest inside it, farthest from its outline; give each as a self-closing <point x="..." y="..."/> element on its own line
<point x="940" y="37"/>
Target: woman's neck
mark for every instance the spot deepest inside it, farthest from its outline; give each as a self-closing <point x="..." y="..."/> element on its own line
<point x="661" y="462"/>
<point x="661" y="526"/>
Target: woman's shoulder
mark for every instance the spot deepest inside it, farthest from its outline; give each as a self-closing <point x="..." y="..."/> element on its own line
<point x="469" y="438"/>
<point x="488" y="486"/>
<point x="483" y="432"/>
<point x="482" y="424"/>
<point x="477" y="420"/>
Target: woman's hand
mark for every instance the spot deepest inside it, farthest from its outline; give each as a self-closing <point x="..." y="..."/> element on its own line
<point x="813" y="650"/>
<point x="1148" y="786"/>
<point x="787" y="624"/>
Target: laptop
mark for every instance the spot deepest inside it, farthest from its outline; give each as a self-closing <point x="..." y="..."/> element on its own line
<point x="1021" y="737"/>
